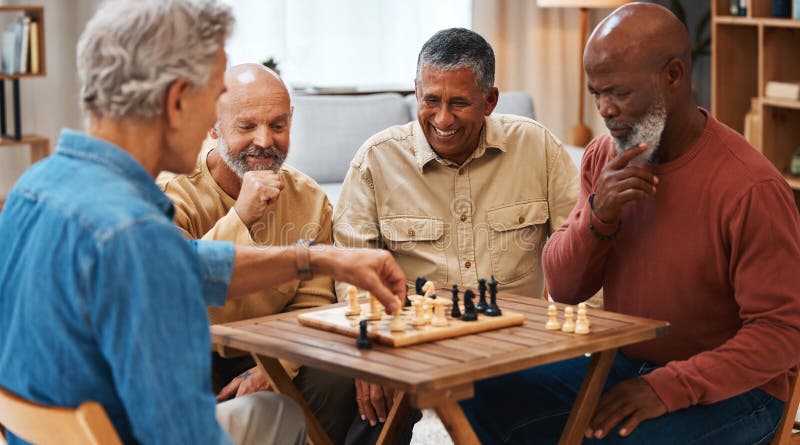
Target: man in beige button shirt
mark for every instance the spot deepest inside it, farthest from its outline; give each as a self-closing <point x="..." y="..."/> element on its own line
<point x="460" y="194"/>
<point x="241" y="191"/>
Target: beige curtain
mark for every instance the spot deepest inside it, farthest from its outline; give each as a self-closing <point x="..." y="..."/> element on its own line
<point x="538" y="51"/>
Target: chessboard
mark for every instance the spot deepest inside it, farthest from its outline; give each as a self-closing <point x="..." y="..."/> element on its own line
<point x="336" y="320"/>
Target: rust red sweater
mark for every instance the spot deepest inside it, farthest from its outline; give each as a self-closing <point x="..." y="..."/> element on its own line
<point x="715" y="252"/>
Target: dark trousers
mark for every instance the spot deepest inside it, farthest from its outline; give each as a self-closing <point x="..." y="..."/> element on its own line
<point x="532" y="406"/>
<point x="361" y="433"/>
<point x="331" y="397"/>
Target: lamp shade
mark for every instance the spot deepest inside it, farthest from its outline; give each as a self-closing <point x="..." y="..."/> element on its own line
<point x="580" y="3"/>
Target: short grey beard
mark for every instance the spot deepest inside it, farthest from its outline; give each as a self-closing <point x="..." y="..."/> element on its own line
<point x="238" y="164"/>
<point x="648" y="130"/>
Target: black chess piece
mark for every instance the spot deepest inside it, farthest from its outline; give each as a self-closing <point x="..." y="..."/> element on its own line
<point x="455" y="312"/>
<point x="470" y="314"/>
<point x="493" y="310"/>
<point x="482" y="291"/>
<point x="418" y="285"/>
<point x="363" y="341"/>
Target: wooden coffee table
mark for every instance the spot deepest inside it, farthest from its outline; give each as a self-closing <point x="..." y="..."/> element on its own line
<point x="438" y="374"/>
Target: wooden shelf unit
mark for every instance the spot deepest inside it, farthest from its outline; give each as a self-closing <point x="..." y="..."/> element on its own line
<point x="748" y="52"/>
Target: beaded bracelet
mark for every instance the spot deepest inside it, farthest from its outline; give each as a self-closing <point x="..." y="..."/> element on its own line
<point x="594" y="230"/>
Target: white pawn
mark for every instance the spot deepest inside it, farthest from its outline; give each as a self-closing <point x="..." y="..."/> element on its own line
<point x="352" y="297"/>
<point x="582" y="325"/>
<point x="569" y="320"/>
<point x="439" y="317"/>
<point x="427" y="304"/>
<point x="398" y="324"/>
<point x="585" y="311"/>
<point x="552" y="321"/>
<point x="419" y="317"/>
<point x="375" y="308"/>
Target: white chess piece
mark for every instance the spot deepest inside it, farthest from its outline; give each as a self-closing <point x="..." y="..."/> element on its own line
<point x="427" y="305"/>
<point x="419" y="311"/>
<point x="375" y="308"/>
<point x="429" y="288"/>
<point x="439" y="317"/>
<point x="552" y="321"/>
<point x="569" y="320"/>
<point x="398" y="324"/>
<point x="586" y="311"/>
<point x="352" y="297"/>
<point x="582" y="325"/>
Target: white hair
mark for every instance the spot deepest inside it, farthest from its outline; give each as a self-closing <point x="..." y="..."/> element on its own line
<point x="132" y="50"/>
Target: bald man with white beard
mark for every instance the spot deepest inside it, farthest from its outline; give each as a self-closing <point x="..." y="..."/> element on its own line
<point x="241" y="191"/>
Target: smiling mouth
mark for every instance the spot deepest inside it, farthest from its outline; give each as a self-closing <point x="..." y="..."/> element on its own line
<point x="618" y="132"/>
<point x="442" y="133"/>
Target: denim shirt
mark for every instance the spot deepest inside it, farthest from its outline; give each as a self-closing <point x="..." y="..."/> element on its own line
<point x="102" y="298"/>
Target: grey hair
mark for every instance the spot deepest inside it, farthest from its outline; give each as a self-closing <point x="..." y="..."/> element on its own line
<point x="132" y="50"/>
<point x="456" y="48"/>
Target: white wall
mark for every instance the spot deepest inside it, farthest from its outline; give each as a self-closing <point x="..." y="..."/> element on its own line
<point x="51" y="102"/>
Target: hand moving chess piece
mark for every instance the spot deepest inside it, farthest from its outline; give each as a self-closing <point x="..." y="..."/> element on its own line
<point x="470" y="314"/>
<point x="582" y="325"/>
<point x="352" y="297"/>
<point x="482" y="292"/>
<point x="455" y="312"/>
<point x="552" y="318"/>
<point x="363" y="341"/>
<point x="493" y="310"/>
<point x="569" y="320"/>
<point x="439" y="318"/>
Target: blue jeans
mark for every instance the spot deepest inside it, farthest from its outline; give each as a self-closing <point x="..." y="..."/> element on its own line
<point x="532" y="406"/>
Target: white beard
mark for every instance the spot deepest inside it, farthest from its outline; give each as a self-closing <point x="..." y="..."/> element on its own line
<point x="647" y="130"/>
<point x="238" y="164"/>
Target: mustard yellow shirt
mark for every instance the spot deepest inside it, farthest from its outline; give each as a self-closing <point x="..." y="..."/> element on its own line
<point x="204" y="210"/>
<point x="457" y="223"/>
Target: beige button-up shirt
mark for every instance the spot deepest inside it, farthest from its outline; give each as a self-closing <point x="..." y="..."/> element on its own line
<point x="455" y="223"/>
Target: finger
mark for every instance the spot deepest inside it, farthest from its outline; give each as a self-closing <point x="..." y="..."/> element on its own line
<point x="394" y="278"/>
<point x="638" y="172"/>
<point x="633" y="421"/>
<point x="229" y="390"/>
<point x="378" y="401"/>
<point x="369" y="410"/>
<point x="631" y="195"/>
<point x="245" y="388"/>
<point x="627" y="156"/>
<point x="359" y="400"/>
<point x="616" y="416"/>
<point x="636" y="183"/>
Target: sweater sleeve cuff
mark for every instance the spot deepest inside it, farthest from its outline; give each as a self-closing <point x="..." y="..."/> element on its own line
<point x="668" y="388"/>
<point x="216" y="265"/>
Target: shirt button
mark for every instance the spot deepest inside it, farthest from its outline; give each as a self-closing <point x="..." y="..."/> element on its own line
<point x="463" y="218"/>
<point x="411" y="232"/>
<point x="467" y="264"/>
<point x="521" y="219"/>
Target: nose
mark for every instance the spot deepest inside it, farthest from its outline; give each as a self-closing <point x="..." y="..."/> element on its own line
<point x="443" y="118"/>
<point x="263" y="137"/>
<point x="607" y="108"/>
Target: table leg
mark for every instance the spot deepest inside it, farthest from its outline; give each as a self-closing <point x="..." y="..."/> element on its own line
<point x="588" y="396"/>
<point x="457" y="425"/>
<point x="396" y="420"/>
<point x="282" y="384"/>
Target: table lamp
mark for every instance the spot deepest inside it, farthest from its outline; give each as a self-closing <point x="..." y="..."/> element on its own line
<point x="580" y="134"/>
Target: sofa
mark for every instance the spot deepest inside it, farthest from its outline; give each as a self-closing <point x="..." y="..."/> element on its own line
<point x="327" y="131"/>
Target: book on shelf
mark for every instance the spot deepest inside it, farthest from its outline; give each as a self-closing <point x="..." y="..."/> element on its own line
<point x="783" y="90"/>
<point x="20" y="47"/>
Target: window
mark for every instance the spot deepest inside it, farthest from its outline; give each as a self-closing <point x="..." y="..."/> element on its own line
<point x="360" y="43"/>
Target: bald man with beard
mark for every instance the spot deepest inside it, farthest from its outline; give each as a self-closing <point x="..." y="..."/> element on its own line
<point x="679" y="219"/>
<point x="241" y="191"/>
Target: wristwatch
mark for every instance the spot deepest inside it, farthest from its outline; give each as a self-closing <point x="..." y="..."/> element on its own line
<point x="302" y="258"/>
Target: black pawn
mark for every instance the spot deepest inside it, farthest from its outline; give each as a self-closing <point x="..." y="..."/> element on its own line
<point x="470" y="314"/>
<point x="455" y="312"/>
<point x="493" y="310"/>
<point x="363" y="341"/>
<point x="418" y="285"/>
<point x="482" y="290"/>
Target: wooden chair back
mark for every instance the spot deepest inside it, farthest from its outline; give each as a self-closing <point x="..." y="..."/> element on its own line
<point x="784" y="435"/>
<point x="45" y="425"/>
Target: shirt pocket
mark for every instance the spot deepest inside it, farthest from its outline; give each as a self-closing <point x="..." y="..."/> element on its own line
<point x="516" y="236"/>
<point x="417" y="243"/>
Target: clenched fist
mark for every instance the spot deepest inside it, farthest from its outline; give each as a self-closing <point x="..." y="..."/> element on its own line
<point x="259" y="189"/>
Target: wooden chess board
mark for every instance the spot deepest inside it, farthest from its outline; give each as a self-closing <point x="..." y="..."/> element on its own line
<point x="335" y="320"/>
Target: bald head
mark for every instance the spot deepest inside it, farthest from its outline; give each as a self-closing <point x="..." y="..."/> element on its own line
<point x="254" y="81"/>
<point x="646" y="35"/>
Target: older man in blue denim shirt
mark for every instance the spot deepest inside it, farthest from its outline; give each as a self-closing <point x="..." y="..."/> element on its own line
<point x="101" y="297"/>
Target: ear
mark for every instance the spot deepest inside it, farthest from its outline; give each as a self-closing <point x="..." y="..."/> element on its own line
<point x="491" y="100"/>
<point x="674" y="73"/>
<point x="212" y="133"/>
<point x="173" y="103"/>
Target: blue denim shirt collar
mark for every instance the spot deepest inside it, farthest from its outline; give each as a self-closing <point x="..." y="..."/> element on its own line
<point x="80" y="145"/>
